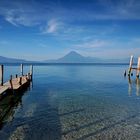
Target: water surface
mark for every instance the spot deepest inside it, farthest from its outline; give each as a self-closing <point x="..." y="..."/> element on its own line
<point x="73" y="102"/>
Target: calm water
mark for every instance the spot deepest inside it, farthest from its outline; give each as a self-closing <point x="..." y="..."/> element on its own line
<point x="69" y="102"/>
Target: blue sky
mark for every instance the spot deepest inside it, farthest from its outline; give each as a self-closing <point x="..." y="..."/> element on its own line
<point x="48" y="29"/>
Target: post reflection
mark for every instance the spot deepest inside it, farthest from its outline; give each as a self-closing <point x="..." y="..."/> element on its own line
<point x="137" y="86"/>
<point x="129" y="86"/>
<point x="133" y="83"/>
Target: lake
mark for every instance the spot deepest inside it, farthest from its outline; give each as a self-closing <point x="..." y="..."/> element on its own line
<point x="73" y="102"/>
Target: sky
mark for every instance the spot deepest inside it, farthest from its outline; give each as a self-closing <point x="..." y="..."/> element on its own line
<point x="49" y="29"/>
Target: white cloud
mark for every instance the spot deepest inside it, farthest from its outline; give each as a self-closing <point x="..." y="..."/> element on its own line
<point x="51" y="27"/>
<point x="34" y="12"/>
<point x="119" y="52"/>
<point x="43" y="45"/>
<point x="93" y="44"/>
<point x="120" y="10"/>
<point x="11" y="20"/>
<point x="109" y="48"/>
<point x="24" y="13"/>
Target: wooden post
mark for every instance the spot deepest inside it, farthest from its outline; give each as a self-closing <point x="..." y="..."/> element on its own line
<point x="130" y="65"/>
<point x="10" y="81"/>
<point x="138" y="67"/>
<point x="26" y="77"/>
<point x="20" y="80"/>
<point x="31" y="72"/>
<point x="21" y="69"/>
<point x="1" y="75"/>
<point x="11" y="84"/>
<point x="29" y="76"/>
<point x="16" y="75"/>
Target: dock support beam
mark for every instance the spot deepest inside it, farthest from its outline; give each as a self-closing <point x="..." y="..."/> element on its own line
<point x="1" y="75"/>
<point x="10" y="81"/>
<point x="138" y="67"/>
<point x="130" y="65"/>
<point x="21" y="69"/>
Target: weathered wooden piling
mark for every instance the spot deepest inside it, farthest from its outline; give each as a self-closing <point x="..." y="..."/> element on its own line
<point x="11" y="84"/>
<point x="20" y="80"/>
<point x="138" y="67"/>
<point x="1" y="74"/>
<point x="134" y="68"/>
<point x="26" y="77"/>
<point x="29" y="76"/>
<point x="130" y="65"/>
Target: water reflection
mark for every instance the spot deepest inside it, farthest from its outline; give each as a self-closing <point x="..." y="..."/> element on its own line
<point x="8" y="105"/>
<point x="137" y="86"/>
<point x="129" y="86"/>
<point x="131" y="83"/>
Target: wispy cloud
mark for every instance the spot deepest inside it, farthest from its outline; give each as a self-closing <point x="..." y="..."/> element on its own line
<point x="43" y="45"/>
<point x="24" y="13"/>
<point x="33" y="12"/>
<point x="110" y="48"/>
<point x="51" y="27"/>
<point x="88" y="26"/>
<point x="119" y="10"/>
<point x="93" y="44"/>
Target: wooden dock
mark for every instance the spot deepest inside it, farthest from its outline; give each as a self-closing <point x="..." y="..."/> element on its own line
<point x="15" y="84"/>
<point x="133" y="68"/>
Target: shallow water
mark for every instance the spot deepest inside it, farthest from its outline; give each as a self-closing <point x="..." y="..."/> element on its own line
<point x="73" y="102"/>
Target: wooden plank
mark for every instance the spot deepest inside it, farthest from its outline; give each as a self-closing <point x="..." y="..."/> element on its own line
<point x="15" y="84"/>
<point x="135" y="68"/>
<point x="3" y="89"/>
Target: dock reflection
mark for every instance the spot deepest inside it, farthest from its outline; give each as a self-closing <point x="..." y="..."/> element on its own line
<point x="8" y="106"/>
<point x="133" y="84"/>
<point x="129" y="86"/>
<point x="137" y="86"/>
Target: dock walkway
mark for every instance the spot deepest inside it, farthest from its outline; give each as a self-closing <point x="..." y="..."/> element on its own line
<point x="14" y="84"/>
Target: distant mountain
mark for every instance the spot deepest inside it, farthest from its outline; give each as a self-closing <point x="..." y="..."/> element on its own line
<point x="71" y="57"/>
<point x="11" y="60"/>
<point x="74" y="57"/>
